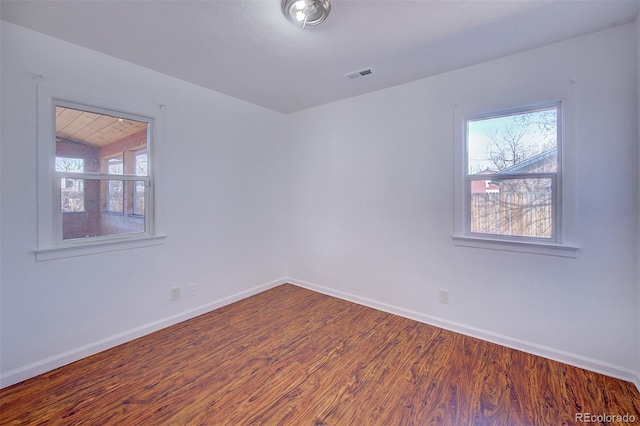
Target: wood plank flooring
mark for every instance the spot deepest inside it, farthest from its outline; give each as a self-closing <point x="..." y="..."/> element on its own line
<point x="295" y="357"/>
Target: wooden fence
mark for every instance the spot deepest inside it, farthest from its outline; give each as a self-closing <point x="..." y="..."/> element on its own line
<point x="512" y="213"/>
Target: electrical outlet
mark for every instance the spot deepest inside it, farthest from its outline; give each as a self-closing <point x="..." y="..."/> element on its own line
<point x="192" y="289"/>
<point x="444" y="297"/>
<point x="175" y="294"/>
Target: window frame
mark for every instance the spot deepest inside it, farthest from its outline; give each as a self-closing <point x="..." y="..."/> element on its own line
<point x="51" y="244"/>
<point x="561" y="242"/>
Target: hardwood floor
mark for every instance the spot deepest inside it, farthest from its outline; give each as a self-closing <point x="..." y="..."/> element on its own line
<point x="292" y="356"/>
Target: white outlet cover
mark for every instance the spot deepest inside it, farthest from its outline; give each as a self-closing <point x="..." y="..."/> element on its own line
<point x="175" y="294"/>
<point x="192" y="289"/>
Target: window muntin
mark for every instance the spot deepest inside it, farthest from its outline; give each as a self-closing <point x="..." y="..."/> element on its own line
<point x="512" y="170"/>
<point x="114" y="174"/>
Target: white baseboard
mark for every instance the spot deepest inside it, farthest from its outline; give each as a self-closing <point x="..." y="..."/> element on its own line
<point x="59" y="360"/>
<point x="48" y="364"/>
<point x="521" y="345"/>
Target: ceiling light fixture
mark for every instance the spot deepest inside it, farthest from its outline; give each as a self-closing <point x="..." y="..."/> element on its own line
<point x="306" y="12"/>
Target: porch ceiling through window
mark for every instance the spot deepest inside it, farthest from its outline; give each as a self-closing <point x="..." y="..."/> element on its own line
<point x="93" y="129"/>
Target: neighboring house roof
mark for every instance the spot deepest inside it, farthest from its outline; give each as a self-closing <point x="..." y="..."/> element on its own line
<point x="486" y="171"/>
<point x="530" y="163"/>
<point x="479" y="186"/>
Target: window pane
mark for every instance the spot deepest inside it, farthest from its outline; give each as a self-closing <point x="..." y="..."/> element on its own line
<point x="140" y="160"/>
<point x="115" y="196"/>
<point x="513" y="207"/>
<point x="141" y="163"/>
<point x="517" y="143"/>
<point x="93" y="221"/>
<point x="138" y="200"/>
<point x="66" y="164"/>
<point x="115" y="165"/>
<point x="72" y="193"/>
<point x="115" y="188"/>
<point x="72" y="190"/>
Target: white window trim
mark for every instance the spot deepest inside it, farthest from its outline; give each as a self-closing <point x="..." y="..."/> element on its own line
<point x="564" y="244"/>
<point x="50" y="244"/>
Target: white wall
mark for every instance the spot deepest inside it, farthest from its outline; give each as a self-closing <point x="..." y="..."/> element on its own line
<point x="371" y="202"/>
<point x="637" y="382"/>
<point x="221" y="201"/>
<point x="369" y="210"/>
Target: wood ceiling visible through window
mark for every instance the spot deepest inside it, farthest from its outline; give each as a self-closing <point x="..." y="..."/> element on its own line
<point x="93" y="129"/>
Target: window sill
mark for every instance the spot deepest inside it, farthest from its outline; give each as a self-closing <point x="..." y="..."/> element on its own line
<point x="84" y="248"/>
<point x="541" y="248"/>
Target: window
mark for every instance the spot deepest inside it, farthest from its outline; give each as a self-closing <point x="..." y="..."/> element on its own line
<point x="101" y="174"/>
<point x="105" y="193"/>
<point x="510" y="183"/>
<point x="512" y="174"/>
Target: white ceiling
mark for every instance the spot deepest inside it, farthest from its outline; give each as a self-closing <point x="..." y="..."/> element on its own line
<point x="247" y="49"/>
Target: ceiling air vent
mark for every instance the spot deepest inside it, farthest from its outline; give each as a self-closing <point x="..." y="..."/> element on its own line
<point x="360" y="73"/>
